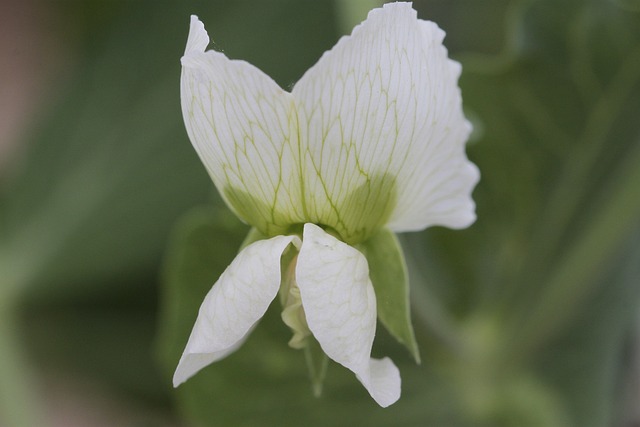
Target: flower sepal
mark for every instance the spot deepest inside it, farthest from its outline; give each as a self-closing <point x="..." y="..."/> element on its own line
<point x="390" y="279"/>
<point x="252" y="236"/>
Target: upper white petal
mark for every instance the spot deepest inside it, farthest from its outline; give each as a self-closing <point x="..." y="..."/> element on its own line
<point x="198" y="39"/>
<point x="244" y="128"/>
<point x="236" y="302"/>
<point x="385" y="102"/>
<point x="340" y="308"/>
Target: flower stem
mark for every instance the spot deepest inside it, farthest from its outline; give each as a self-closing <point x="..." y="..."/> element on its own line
<point x="316" y="365"/>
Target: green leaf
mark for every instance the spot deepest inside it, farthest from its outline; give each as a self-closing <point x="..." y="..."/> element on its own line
<point x="388" y="272"/>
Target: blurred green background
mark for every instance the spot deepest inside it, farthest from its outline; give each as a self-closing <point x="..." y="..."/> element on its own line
<point x="111" y="231"/>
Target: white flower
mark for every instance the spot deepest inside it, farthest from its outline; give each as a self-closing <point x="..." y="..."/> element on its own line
<point x="372" y="136"/>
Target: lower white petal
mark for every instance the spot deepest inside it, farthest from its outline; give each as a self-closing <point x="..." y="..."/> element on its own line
<point x="340" y="307"/>
<point x="232" y="307"/>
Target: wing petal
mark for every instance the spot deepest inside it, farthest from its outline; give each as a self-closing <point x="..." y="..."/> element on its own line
<point x="234" y="305"/>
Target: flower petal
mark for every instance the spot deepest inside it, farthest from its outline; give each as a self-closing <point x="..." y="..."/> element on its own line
<point x="340" y="308"/>
<point x="381" y="114"/>
<point x="236" y="302"/>
<point x="243" y="126"/>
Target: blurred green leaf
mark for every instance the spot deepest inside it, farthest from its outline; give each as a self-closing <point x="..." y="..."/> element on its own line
<point x="587" y="363"/>
<point x="18" y="404"/>
<point x="99" y="190"/>
<point x="110" y="343"/>
<point x="556" y="114"/>
<point x="87" y="211"/>
<point x="557" y="141"/>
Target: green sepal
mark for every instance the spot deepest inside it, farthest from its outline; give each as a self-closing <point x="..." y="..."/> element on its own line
<point x="252" y="236"/>
<point x="388" y="273"/>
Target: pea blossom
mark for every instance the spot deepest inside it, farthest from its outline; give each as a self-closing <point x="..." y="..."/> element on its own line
<point x="370" y="140"/>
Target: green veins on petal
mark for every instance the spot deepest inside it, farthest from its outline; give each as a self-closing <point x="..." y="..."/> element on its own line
<point x="354" y="218"/>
